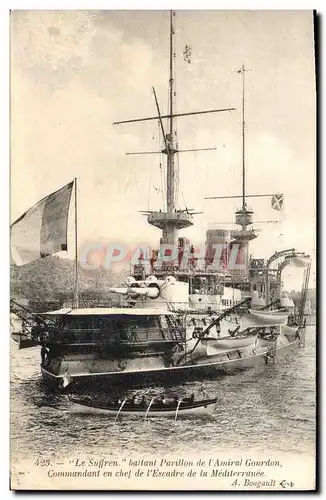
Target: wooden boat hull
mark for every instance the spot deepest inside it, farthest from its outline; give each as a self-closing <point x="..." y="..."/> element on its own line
<point x="256" y="319"/>
<point x="207" y="368"/>
<point x="195" y="409"/>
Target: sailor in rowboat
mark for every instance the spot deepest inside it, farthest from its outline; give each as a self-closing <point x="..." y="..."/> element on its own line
<point x="158" y="400"/>
<point x="138" y="400"/>
<point x="44" y="355"/>
<point x="270" y="355"/>
<point x="170" y="401"/>
<point x="189" y="400"/>
<point x="127" y="401"/>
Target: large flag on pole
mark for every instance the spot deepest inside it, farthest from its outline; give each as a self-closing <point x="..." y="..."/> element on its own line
<point x="42" y="230"/>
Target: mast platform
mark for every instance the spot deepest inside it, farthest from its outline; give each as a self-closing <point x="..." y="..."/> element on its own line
<point x="243" y="235"/>
<point x="179" y="219"/>
<point x="243" y="218"/>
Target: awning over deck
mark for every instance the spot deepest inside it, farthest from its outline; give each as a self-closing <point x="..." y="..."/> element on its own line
<point x="110" y="311"/>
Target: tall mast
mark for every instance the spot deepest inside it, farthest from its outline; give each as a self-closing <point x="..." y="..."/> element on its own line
<point x="243" y="141"/>
<point x="171" y="220"/>
<point x="170" y="177"/>
<point x="243" y="216"/>
<point x="171" y="80"/>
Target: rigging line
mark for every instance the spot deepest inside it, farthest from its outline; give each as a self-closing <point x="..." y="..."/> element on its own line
<point x="173" y="98"/>
<point x="206" y="111"/>
<point x="175" y="105"/>
<point x="171" y="82"/>
<point x="200" y="171"/>
<point x="164" y="187"/>
<point x="164" y="160"/>
<point x="161" y="160"/>
<point x="177" y="170"/>
<point x="162" y="176"/>
<point x="161" y="164"/>
<point x="201" y="184"/>
<point x="177" y="184"/>
<point x="184" y="201"/>
<point x="160" y="119"/>
<point x="168" y="88"/>
<point x="150" y="181"/>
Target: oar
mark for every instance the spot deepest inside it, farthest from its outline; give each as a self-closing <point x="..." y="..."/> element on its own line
<point x="176" y="413"/>
<point x="66" y="379"/>
<point x="150" y="404"/>
<point x="121" y="406"/>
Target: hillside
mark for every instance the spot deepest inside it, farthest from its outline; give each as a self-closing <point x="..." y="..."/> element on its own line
<point x="51" y="281"/>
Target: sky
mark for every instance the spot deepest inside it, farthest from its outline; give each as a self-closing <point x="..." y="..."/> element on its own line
<point x="73" y="73"/>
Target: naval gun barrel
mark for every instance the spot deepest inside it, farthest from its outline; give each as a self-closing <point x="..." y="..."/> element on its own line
<point x="150" y="291"/>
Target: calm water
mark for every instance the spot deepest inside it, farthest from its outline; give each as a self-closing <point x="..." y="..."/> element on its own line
<point x="270" y="407"/>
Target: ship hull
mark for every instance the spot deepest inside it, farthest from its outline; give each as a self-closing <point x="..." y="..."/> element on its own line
<point x="205" y="368"/>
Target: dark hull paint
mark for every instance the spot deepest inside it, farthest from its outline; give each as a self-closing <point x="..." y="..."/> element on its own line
<point x="168" y="376"/>
<point x="23" y="341"/>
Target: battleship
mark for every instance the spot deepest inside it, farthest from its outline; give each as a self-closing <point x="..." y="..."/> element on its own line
<point x="186" y="316"/>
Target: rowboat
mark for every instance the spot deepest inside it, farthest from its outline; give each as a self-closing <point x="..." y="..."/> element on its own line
<point x="79" y="405"/>
<point x="228" y="343"/>
<point x="255" y="319"/>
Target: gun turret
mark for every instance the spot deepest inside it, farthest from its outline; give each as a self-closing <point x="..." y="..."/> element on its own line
<point x="155" y="293"/>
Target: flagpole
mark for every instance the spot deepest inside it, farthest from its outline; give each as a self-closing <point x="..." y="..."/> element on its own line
<point x="76" y="298"/>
